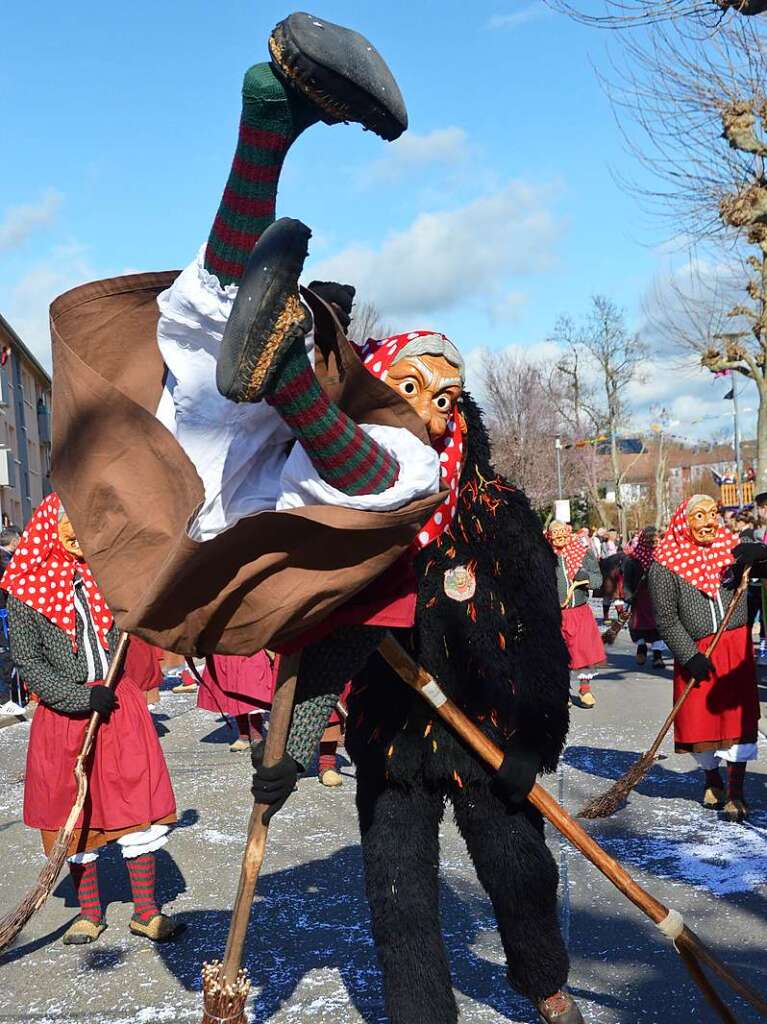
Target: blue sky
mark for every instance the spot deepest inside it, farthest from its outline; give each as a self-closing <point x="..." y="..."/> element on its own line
<point x="493" y="214"/>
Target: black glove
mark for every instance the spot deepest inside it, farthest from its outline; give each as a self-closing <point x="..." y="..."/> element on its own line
<point x="699" y="667"/>
<point x="103" y="700"/>
<point x="516" y="776"/>
<point x="273" y="785"/>
<point x="750" y="552"/>
<point x="340" y="295"/>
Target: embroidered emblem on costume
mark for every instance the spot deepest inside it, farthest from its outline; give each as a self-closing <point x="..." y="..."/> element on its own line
<point x="460" y="583"/>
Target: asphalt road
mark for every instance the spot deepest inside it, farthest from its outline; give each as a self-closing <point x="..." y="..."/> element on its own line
<point x="309" y="950"/>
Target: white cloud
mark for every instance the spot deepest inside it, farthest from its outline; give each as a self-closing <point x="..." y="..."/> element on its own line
<point x="443" y="146"/>
<point x="533" y="12"/>
<point x="20" y="221"/>
<point x="509" y="307"/>
<point x="29" y="299"/>
<point x="451" y="257"/>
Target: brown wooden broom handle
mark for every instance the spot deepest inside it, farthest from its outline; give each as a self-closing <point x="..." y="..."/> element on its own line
<point x="420" y="680"/>
<point x="709" y="651"/>
<point x="113" y="672"/>
<point x="255" y="847"/>
<point x="571" y="591"/>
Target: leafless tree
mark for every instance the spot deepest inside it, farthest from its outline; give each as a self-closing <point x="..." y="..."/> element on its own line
<point x="661" y="468"/>
<point x="367" y="322"/>
<point x="619" y="14"/>
<point x="571" y="391"/>
<point x="688" y="105"/>
<point x="693" y="107"/>
<point x="523" y="424"/>
<point x="617" y="354"/>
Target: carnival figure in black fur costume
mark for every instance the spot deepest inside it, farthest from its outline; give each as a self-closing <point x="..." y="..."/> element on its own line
<point x="496" y="650"/>
<point x="487" y="627"/>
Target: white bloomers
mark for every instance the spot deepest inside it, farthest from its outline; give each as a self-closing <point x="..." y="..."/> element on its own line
<point x="245" y="454"/>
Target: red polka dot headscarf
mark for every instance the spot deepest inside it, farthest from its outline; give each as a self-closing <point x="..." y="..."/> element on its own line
<point x="643" y="550"/>
<point x="573" y="552"/>
<point x="700" y="566"/>
<point x="41" y="574"/>
<point x="378" y="357"/>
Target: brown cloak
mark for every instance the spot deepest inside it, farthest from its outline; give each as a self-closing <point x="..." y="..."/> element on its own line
<point x="130" y="489"/>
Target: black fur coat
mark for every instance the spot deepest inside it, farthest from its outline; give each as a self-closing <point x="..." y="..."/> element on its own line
<point x="500" y="656"/>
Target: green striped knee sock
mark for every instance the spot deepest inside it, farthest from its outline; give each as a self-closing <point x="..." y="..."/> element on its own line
<point x="141" y="871"/>
<point x="343" y="454"/>
<point x="273" y="117"/>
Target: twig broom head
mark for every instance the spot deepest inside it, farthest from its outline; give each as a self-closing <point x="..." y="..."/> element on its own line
<point x="608" y="803"/>
<point x="12" y="923"/>
<point x="223" y="1003"/>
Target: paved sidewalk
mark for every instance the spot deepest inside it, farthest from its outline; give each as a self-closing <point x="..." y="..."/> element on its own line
<point x="310" y="953"/>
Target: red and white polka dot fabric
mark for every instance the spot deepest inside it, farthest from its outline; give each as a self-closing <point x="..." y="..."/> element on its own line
<point x="41" y="575"/>
<point x="378" y="357"/>
<point x="701" y="566"/>
<point x="573" y="553"/>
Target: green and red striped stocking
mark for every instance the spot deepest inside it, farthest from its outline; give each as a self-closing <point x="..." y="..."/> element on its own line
<point x="141" y="871"/>
<point x="273" y="117"/>
<point x="343" y="454"/>
<point x="86" y="883"/>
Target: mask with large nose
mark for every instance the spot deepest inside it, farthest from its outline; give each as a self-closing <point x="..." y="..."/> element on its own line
<point x="703" y="520"/>
<point x="428" y="374"/>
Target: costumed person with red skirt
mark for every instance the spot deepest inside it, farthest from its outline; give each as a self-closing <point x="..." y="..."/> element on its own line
<point x="327" y="766"/>
<point x="577" y="573"/>
<point x="691" y="583"/>
<point x="636" y="592"/>
<point x="63" y="638"/>
<point x="241" y="688"/>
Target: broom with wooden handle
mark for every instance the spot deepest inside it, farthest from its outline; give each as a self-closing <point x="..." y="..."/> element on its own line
<point x="669" y="922"/>
<point x="609" y="802"/>
<point x="12" y="923"/>
<point x="225" y="985"/>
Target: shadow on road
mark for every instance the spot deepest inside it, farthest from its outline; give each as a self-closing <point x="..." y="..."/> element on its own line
<point x="610" y="764"/>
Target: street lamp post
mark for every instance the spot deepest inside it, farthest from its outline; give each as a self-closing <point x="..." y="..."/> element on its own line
<point x="736" y="432"/>
<point x="558" y="449"/>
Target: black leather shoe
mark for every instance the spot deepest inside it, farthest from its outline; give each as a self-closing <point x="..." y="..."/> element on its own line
<point x="340" y="72"/>
<point x="267" y="315"/>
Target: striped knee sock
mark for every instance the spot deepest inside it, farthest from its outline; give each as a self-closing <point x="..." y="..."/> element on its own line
<point x="141" y="871"/>
<point x="327" y="759"/>
<point x="272" y="118"/>
<point x="736" y="775"/>
<point x="86" y="882"/>
<point x="343" y="454"/>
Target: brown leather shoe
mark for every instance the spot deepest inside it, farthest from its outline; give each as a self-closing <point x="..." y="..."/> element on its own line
<point x="159" y="928"/>
<point x="714" y="798"/>
<point x="560" y="1008"/>
<point x="331" y="778"/>
<point x="82" y="932"/>
<point x="735" y="810"/>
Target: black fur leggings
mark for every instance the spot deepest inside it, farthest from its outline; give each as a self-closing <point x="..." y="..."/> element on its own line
<point x="400" y="846"/>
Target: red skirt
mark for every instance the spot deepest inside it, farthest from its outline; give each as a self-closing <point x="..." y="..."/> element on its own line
<point x="642" y="621"/>
<point x="237" y="685"/>
<point x="724" y="709"/>
<point x="582" y="637"/>
<point x="129" y="782"/>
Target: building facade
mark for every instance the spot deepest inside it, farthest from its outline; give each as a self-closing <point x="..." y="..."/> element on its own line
<point x="25" y="429"/>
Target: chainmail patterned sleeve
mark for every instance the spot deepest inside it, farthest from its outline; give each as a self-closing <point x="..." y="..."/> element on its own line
<point x="665" y="593"/>
<point x="43" y="655"/>
<point x="590" y="568"/>
<point x="325" y="669"/>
